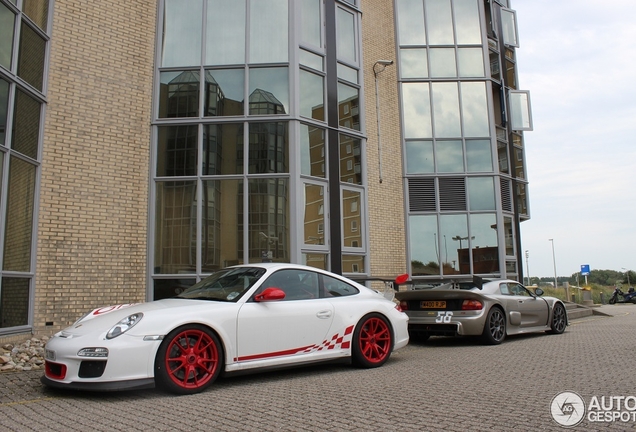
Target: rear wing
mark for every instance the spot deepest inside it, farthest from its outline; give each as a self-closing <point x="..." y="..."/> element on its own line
<point x="405" y="280"/>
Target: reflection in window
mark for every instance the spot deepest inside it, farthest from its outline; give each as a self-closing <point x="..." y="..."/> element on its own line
<point x="312" y="95"/>
<point x="411" y="28"/>
<point x="467" y="20"/>
<point x="220" y="236"/>
<point x="485" y="250"/>
<point x="439" y="22"/>
<point x="225" y="32"/>
<point x="268" y="31"/>
<point x="349" y="106"/>
<point x="26" y="125"/>
<point x="224" y="92"/>
<point x="419" y="157"/>
<point x="443" y="62"/>
<point x="520" y="110"/>
<point x="268" y="148"/>
<point x="351" y="201"/>
<point x="179" y="94"/>
<point x="446" y="110"/>
<point x="312" y="151"/>
<point x="14" y="302"/>
<point x="471" y="62"/>
<point x="345" y="36"/>
<point x="522" y="199"/>
<point x="223" y="149"/>
<point x="19" y="216"/>
<point x="177" y="150"/>
<point x="310" y="22"/>
<point x="311" y="60"/>
<point x="4" y="105"/>
<point x="454" y="244"/>
<point x="509" y="236"/>
<point x="413" y="63"/>
<point x="314" y="217"/>
<point x="478" y="156"/>
<point x="31" y="57"/>
<point x="175" y="227"/>
<point x="416" y="106"/>
<point x="481" y="193"/>
<point x="475" y="109"/>
<point x="166" y="288"/>
<point x="269" y="91"/>
<point x="268" y="220"/>
<point x="7" y="21"/>
<point x="353" y="263"/>
<point x="316" y="260"/>
<point x="425" y="258"/>
<point x="182" y="30"/>
<point x="520" y="171"/>
<point x="509" y="30"/>
<point x="450" y="156"/>
<point x="350" y="159"/>
<point x="38" y="11"/>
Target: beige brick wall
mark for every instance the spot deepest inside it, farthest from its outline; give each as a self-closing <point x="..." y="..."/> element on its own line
<point x="386" y="206"/>
<point x="91" y="248"/>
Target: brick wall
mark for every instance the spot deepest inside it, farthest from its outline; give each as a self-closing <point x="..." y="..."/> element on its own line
<point x="94" y="189"/>
<point x="386" y="205"/>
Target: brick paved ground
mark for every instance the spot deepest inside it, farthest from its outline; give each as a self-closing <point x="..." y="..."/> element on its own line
<point x="446" y="384"/>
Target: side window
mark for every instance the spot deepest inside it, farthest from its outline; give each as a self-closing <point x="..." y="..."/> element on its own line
<point x="296" y="284"/>
<point x="504" y="289"/>
<point x="519" y="290"/>
<point x="336" y="288"/>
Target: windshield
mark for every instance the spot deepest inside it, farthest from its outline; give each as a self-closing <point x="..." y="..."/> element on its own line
<point x="224" y="285"/>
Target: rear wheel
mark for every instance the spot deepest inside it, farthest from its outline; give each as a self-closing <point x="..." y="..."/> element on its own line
<point x="372" y="341"/>
<point x="495" y="328"/>
<point x="559" y="320"/>
<point x="189" y="359"/>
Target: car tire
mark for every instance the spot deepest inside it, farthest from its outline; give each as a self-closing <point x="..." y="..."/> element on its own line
<point x="612" y="300"/>
<point x="372" y="341"/>
<point x="495" y="327"/>
<point x="189" y="360"/>
<point x="559" y="319"/>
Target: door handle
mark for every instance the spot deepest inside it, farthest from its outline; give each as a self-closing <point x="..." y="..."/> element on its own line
<point x="324" y="314"/>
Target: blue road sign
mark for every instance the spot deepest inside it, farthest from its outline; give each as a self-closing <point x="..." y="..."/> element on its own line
<point x="585" y="270"/>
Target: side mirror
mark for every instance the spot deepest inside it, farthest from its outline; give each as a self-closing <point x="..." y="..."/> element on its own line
<point x="538" y="292"/>
<point x="270" y="294"/>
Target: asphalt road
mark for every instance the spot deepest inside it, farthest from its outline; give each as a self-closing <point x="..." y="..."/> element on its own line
<point x="446" y="384"/>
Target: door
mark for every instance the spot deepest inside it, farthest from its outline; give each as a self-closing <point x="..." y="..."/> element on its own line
<point x="533" y="310"/>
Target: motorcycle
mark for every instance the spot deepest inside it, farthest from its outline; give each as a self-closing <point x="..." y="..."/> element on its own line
<point x="620" y="297"/>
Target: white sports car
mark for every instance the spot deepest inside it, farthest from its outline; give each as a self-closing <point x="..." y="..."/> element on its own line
<point x="240" y="318"/>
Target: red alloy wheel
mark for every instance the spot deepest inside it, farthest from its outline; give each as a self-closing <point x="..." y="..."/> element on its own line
<point x="375" y="340"/>
<point x="192" y="359"/>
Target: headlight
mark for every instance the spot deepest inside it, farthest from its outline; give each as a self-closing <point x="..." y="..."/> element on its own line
<point x="124" y="325"/>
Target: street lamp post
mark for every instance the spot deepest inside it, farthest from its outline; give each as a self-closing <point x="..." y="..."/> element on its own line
<point x="627" y="272"/>
<point x="554" y="262"/>
<point x="527" y="268"/>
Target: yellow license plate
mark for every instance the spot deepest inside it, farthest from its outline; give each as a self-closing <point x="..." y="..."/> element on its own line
<point x="433" y="305"/>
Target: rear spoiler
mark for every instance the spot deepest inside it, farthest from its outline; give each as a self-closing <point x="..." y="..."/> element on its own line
<point x="403" y="279"/>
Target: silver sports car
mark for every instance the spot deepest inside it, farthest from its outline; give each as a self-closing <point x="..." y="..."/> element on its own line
<point x="489" y="308"/>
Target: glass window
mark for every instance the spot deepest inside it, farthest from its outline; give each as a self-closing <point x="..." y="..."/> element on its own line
<point x="7" y="22"/>
<point x="4" y="105"/>
<point x="509" y="236"/>
<point x="522" y="199"/>
<point x="182" y="30"/>
<point x="413" y="63"/>
<point x="439" y="22"/>
<point x="485" y="250"/>
<point x="223" y="149"/>
<point x="450" y="156"/>
<point x="411" y="22"/>
<point x="14" y="302"/>
<point x="312" y="95"/>
<point x="350" y="161"/>
<point x="219" y="214"/>
<point x="475" y="109"/>
<point x="31" y="57"/>
<point x="419" y="157"/>
<point x="502" y="156"/>
<point x="416" y="106"/>
<point x="269" y="31"/>
<point x="269" y="91"/>
<point x="446" y="110"/>
<point x="314" y="217"/>
<point x="38" y="11"/>
<point x="26" y="125"/>
<point x="316" y="260"/>
<point x="345" y="36"/>
<point x="520" y="171"/>
<point x="269" y="148"/>
<point x="454" y="244"/>
<point x="311" y="60"/>
<point x="311" y="22"/>
<point x="268" y="220"/>
<point x="19" y="218"/>
<point x="312" y="151"/>
<point x="443" y="63"/>
<point x="467" y="25"/>
<point x="478" y="156"/>
<point x="348" y="106"/>
<point x="347" y="73"/>
<point x="520" y="112"/>
<point x="351" y="202"/>
<point x="509" y="30"/>
<point x="175" y="227"/>
<point x="224" y="92"/>
<point x="179" y="94"/>
<point x="353" y="263"/>
<point x="177" y="150"/>
<point x="225" y="32"/>
<point x="425" y="259"/>
<point x="481" y="193"/>
<point x="337" y="288"/>
<point x="471" y="62"/>
<point x="166" y="288"/>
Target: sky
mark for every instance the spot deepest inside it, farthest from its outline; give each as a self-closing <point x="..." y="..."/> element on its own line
<point x="578" y="60"/>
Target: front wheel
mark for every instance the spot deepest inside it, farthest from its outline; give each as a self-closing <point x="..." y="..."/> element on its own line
<point x="559" y="320"/>
<point x="189" y="360"/>
<point x="495" y="328"/>
<point x="612" y="300"/>
<point x="372" y="341"/>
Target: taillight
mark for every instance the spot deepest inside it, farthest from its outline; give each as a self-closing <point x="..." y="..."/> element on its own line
<point x="472" y="305"/>
<point x="403" y="306"/>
